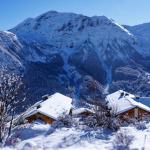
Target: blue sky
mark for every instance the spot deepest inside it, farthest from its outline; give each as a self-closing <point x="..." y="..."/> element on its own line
<point x="129" y="12"/>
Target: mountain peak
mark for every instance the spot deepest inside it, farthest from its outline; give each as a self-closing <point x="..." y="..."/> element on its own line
<point x="52" y="24"/>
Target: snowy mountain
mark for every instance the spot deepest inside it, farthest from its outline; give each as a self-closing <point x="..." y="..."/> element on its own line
<point x="65" y="33"/>
<point x="72" y="53"/>
<point x="9" y="49"/>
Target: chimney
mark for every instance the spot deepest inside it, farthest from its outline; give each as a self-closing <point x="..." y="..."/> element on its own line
<point x="45" y="97"/>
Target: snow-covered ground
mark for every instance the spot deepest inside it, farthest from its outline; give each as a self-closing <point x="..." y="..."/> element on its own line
<point x="39" y="136"/>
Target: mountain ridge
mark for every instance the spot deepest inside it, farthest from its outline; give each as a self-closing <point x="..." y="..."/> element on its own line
<point x="62" y="50"/>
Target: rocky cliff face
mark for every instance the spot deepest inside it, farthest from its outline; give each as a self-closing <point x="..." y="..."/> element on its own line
<point x="57" y="51"/>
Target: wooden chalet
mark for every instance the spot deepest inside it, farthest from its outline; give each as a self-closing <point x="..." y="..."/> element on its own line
<point x="50" y="109"/>
<point x="128" y="106"/>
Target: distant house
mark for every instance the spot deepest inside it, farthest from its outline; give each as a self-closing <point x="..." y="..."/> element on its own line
<point x="81" y="112"/>
<point x="128" y="106"/>
<point x="50" y="109"/>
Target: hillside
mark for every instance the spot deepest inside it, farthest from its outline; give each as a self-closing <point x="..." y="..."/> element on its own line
<point x="40" y="136"/>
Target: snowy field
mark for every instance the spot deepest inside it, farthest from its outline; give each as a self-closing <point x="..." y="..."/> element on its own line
<point x="39" y="136"/>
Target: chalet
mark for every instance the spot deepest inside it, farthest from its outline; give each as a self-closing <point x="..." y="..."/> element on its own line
<point x="50" y="109"/>
<point x="128" y="106"/>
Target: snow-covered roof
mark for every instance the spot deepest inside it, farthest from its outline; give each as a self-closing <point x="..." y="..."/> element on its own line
<point x="81" y="110"/>
<point x="55" y="106"/>
<point x="122" y="101"/>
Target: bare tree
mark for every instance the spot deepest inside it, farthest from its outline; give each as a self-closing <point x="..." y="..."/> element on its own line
<point x="11" y="92"/>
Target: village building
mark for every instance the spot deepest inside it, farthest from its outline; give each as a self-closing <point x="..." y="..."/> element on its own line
<point x="81" y="112"/>
<point x="50" y="109"/>
<point x="128" y="106"/>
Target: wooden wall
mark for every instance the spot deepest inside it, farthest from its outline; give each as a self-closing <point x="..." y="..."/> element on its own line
<point x="136" y="113"/>
<point x="40" y="116"/>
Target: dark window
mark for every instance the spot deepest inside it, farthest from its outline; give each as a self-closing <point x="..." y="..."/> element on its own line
<point x="39" y="106"/>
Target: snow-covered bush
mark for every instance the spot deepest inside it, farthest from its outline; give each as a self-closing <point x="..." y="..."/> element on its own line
<point x="122" y="140"/>
<point x="29" y="145"/>
<point x="102" y="117"/>
<point x="20" y="120"/>
<point x="12" y="141"/>
<point x="140" y="125"/>
<point x="147" y="118"/>
<point x="65" y="121"/>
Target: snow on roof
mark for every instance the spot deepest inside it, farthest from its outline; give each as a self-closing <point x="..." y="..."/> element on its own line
<point x="140" y="105"/>
<point x="119" y="103"/>
<point x="55" y="106"/>
<point x="122" y="101"/>
<point x="81" y="110"/>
